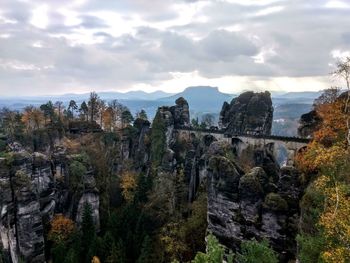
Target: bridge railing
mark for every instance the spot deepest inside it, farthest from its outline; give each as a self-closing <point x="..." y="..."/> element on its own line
<point x="256" y="136"/>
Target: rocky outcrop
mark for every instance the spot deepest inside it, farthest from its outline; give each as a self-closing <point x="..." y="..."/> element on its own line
<point x="308" y="124"/>
<point x="181" y="113"/>
<point x="177" y="115"/>
<point x="260" y="204"/>
<point x="25" y="180"/>
<point x="249" y="113"/>
<point x="33" y="187"/>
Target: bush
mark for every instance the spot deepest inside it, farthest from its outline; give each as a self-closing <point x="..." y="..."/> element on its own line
<point x="275" y="202"/>
<point x="215" y="252"/>
<point x="255" y="252"/>
<point x="310" y="248"/>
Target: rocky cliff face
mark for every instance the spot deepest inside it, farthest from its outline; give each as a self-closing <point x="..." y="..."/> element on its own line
<point x="261" y="203"/>
<point x="33" y="188"/>
<point x="27" y="197"/>
<point x="308" y="124"/>
<point x="249" y="113"/>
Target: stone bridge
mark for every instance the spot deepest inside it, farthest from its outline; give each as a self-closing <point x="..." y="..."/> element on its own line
<point x="292" y="145"/>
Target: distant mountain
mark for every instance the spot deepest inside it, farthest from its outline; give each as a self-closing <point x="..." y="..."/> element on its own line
<point x="130" y="95"/>
<point x="202" y="98"/>
<point x="305" y="97"/>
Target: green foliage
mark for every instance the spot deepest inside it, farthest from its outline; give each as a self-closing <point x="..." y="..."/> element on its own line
<point x="158" y="140"/>
<point x="256" y="252"/>
<point x="76" y="172"/>
<point x="195" y="123"/>
<point x="146" y="251"/>
<point x="215" y="252"/>
<point x="275" y="202"/>
<point x="127" y="117"/>
<point x="88" y="234"/>
<point x="142" y="115"/>
<point x="2" y="145"/>
<point x="310" y="248"/>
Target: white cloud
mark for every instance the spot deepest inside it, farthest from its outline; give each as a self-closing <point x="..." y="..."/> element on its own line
<point x="40" y="17"/>
<point x="337" y="4"/>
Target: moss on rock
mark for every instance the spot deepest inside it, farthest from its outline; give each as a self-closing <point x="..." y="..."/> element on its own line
<point x="275" y="202"/>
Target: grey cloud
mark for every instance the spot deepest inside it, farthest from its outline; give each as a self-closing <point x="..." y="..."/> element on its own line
<point x="300" y="39"/>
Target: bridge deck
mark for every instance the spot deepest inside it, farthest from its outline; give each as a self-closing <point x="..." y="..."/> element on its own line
<point x="267" y="137"/>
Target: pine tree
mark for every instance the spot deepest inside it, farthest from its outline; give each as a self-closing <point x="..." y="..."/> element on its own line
<point x="88" y="233"/>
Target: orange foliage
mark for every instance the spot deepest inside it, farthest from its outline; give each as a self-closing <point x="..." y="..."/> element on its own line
<point x="61" y="228"/>
<point x="32" y="118"/>
<point x="333" y="127"/>
<point x="108" y="119"/>
<point x="328" y="155"/>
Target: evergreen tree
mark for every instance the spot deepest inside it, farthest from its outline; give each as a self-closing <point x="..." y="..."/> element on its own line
<point x="158" y="140"/>
<point x="84" y="110"/>
<point x="146" y="251"/>
<point x="88" y="234"/>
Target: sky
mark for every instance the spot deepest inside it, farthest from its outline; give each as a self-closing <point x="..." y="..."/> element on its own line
<point x="63" y="46"/>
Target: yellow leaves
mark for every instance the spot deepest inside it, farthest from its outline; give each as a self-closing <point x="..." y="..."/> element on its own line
<point x="333" y="127"/>
<point x="328" y="155"/>
<point x="128" y="183"/>
<point x="95" y="259"/>
<point x="172" y="239"/>
<point x="108" y="119"/>
<point x="61" y="228"/>
<point x="336" y="255"/>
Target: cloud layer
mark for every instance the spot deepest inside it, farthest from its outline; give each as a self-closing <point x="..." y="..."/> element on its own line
<point x="75" y="46"/>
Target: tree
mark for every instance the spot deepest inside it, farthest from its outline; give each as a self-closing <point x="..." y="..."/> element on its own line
<point x="59" y="108"/>
<point x="128" y="184"/>
<point x="93" y="104"/>
<point x="72" y="106"/>
<point x="62" y="229"/>
<point x="88" y="233"/>
<point x="256" y="252"/>
<point x="84" y="110"/>
<point x="48" y="110"/>
<point x="127" y="117"/>
<point x="76" y="172"/>
<point x="11" y="123"/>
<point x="146" y="251"/>
<point x="102" y="108"/>
<point x="32" y="118"/>
<point x="195" y="123"/>
<point x="108" y="116"/>
<point x="158" y="140"/>
<point x="142" y="115"/>
<point x="343" y="72"/>
<point x="215" y="252"/>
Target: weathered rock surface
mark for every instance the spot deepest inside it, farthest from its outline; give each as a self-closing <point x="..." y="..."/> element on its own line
<point x="32" y="189"/>
<point x="260" y="204"/>
<point x="181" y="113"/>
<point x="249" y="113"/>
<point x="308" y="124"/>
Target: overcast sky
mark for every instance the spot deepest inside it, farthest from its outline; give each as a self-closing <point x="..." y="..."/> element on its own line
<point x="61" y="46"/>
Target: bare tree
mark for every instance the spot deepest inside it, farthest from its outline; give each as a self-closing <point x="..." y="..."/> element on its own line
<point x="343" y="72"/>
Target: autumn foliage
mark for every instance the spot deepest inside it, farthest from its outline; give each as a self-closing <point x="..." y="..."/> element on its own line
<point x="61" y="228"/>
<point x="326" y="163"/>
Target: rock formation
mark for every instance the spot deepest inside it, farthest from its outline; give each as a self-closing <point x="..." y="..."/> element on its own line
<point x="249" y="113"/>
<point x="308" y="124"/>
<point x="260" y="204"/>
<point x="33" y="188"/>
